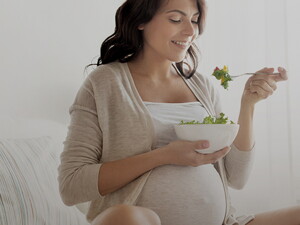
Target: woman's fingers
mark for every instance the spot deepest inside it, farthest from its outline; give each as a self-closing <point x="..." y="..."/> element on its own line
<point x="213" y="157"/>
<point x="266" y="70"/>
<point x="283" y="74"/>
<point x="281" y="77"/>
<point x="263" y="87"/>
<point x="184" y="153"/>
<point x="201" y="144"/>
<point x="262" y="94"/>
<point x="268" y="85"/>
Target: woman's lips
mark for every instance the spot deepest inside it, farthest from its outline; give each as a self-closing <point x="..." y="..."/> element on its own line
<point x="181" y="44"/>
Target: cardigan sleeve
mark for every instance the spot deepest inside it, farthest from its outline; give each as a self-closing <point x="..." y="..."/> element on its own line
<point x="238" y="166"/>
<point x="80" y="159"/>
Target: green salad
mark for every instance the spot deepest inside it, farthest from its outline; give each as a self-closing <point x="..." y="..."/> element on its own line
<point x="223" y="75"/>
<point x="210" y="120"/>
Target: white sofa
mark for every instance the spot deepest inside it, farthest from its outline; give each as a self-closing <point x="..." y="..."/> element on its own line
<point x="29" y="157"/>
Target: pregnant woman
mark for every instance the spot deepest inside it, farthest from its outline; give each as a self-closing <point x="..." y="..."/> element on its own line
<point x="121" y="153"/>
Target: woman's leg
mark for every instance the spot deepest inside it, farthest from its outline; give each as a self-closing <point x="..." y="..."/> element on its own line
<point x="287" y="216"/>
<point x="127" y="215"/>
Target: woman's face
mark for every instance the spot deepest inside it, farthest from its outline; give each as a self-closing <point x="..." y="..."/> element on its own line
<point x="172" y="30"/>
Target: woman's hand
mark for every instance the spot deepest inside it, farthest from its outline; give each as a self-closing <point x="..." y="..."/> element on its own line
<point x="183" y="153"/>
<point x="259" y="87"/>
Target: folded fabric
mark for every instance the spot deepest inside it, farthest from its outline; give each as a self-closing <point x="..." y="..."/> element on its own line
<point x="28" y="184"/>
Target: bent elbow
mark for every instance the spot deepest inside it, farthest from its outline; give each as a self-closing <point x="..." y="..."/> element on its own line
<point x="66" y="197"/>
<point x="237" y="185"/>
<point x="67" y="202"/>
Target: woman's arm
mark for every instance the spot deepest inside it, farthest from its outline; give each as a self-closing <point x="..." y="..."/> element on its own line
<point x="114" y="175"/>
<point x="257" y="88"/>
<point x="80" y="159"/>
<point x="239" y="161"/>
<point x="244" y="139"/>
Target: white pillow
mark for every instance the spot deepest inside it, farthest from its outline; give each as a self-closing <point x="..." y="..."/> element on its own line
<point x="12" y="127"/>
<point x="28" y="184"/>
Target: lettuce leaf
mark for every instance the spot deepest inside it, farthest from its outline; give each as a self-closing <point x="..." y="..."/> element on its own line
<point x="210" y="120"/>
<point x="223" y="75"/>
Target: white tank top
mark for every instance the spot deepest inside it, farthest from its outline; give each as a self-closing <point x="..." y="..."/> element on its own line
<point x="182" y="195"/>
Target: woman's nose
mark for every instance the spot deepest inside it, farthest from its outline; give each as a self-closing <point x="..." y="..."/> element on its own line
<point x="189" y="29"/>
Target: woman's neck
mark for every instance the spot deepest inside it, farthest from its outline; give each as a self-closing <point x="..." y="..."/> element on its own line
<point x="154" y="69"/>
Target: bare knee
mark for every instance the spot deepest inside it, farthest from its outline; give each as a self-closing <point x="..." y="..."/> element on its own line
<point x="287" y="216"/>
<point x="127" y="215"/>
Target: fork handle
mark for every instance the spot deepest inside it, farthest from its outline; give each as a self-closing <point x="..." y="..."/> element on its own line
<point x="262" y="73"/>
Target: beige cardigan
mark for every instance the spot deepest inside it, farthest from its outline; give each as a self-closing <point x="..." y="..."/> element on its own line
<point x="109" y="121"/>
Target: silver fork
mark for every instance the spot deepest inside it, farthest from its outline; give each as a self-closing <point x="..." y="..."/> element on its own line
<point x="258" y="73"/>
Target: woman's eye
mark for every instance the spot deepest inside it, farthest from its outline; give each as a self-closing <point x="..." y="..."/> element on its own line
<point x="175" y="21"/>
<point x="178" y="21"/>
<point x="195" y="20"/>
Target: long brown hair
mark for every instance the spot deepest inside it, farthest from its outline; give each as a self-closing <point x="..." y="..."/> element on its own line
<point x="127" y="40"/>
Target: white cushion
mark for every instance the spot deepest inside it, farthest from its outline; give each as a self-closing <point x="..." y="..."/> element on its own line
<point x="11" y="127"/>
<point x="28" y="184"/>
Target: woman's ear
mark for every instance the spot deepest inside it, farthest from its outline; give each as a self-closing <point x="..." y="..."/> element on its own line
<point x="141" y="27"/>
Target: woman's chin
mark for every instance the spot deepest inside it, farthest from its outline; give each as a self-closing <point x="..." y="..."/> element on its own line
<point x="177" y="59"/>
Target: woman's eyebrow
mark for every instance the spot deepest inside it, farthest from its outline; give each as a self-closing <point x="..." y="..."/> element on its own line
<point x="181" y="12"/>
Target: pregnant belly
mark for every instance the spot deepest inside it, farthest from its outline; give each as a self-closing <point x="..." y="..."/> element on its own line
<point x="185" y="195"/>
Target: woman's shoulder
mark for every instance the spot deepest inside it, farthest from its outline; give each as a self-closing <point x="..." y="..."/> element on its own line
<point x="107" y="71"/>
<point x="107" y="77"/>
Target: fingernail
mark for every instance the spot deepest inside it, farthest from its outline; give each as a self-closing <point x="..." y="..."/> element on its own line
<point x="205" y="144"/>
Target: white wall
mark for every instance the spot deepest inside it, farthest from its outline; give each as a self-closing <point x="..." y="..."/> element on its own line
<point x="293" y="51"/>
<point x="45" y="46"/>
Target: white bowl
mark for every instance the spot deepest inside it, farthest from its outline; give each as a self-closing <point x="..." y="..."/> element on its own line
<point x="218" y="135"/>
